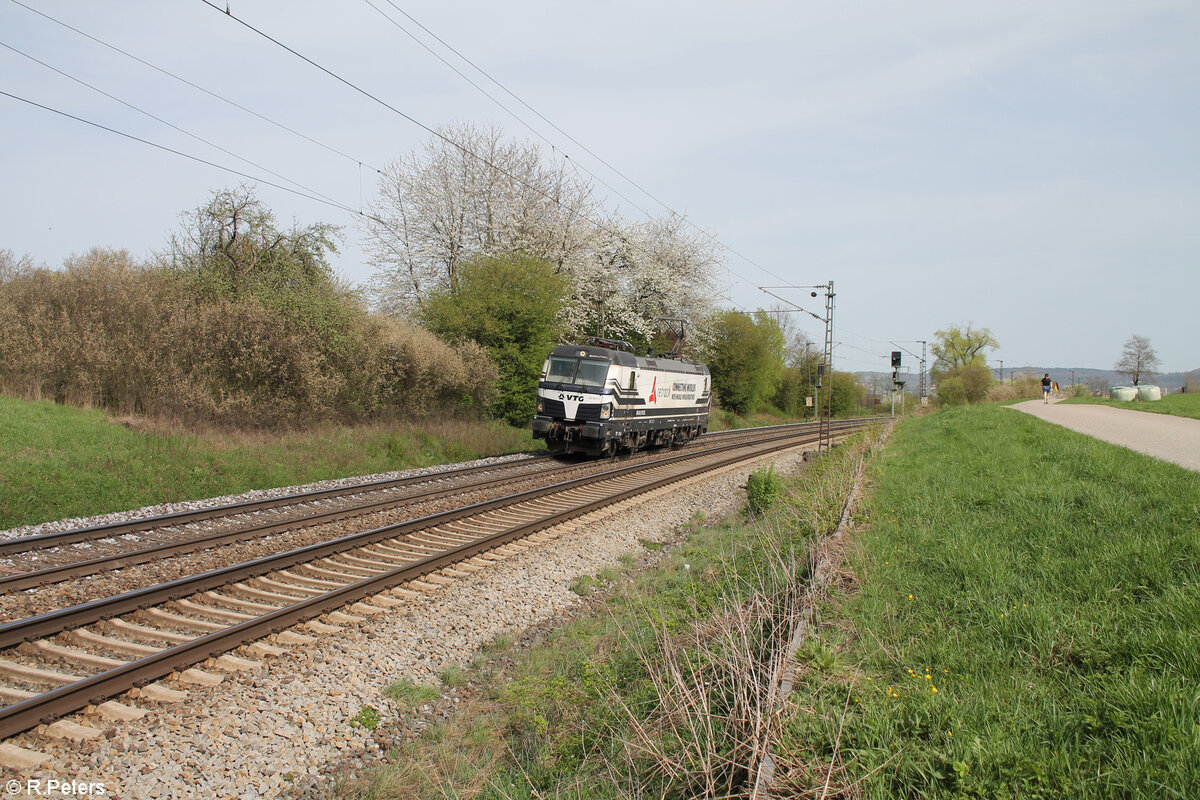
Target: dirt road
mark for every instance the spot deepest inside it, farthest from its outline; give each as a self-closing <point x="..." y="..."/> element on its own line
<point x="1173" y="439"/>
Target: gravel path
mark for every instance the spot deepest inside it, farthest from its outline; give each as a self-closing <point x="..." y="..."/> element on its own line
<point x="1174" y="439"/>
<point x="282" y="728"/>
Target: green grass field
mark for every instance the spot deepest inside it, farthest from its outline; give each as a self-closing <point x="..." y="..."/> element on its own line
<point x="58" y="461"/>
<point x="1179" y="405"/>
<point x="1026" y="622"/>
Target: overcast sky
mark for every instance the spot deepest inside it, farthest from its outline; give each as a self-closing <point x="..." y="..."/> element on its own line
<point x="1029" y="167"/>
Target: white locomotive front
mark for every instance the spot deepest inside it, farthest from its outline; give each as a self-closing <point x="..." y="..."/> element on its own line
<point x="601" y="397"/>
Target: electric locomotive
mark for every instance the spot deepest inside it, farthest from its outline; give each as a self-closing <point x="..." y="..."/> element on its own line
<point x="600" y="397"/>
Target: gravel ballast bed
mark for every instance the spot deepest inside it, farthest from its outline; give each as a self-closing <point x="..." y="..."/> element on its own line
<point x="283" y="726"/>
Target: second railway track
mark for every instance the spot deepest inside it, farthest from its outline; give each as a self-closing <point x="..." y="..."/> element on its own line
<point x="58" y="662"/>
<point x="29" y="562"/>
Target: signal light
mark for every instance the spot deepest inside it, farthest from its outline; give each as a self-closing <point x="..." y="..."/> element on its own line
<point x="895" y="359"/>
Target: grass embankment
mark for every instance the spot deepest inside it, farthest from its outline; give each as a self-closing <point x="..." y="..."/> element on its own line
<point x="1177" y="405"/>
<point x="662" y="689"/>
<point x="1026" y="625"/>
<point x="60" y="461"/>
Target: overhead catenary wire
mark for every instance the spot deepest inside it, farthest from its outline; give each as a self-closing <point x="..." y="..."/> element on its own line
<point x="505" y="108"/>
<point x="304" y="191"/>
<point x="171" y="125"/>
<point x="571" y="138"/>
<point x="180" y="153"/>
<point x="195" y="86"/>
<point x="433" y="131"/>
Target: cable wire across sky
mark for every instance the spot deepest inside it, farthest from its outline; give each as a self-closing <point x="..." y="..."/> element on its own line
<point x="821" y="146"/>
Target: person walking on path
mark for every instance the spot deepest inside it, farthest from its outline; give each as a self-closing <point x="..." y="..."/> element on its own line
<point x="1046" y="388"/>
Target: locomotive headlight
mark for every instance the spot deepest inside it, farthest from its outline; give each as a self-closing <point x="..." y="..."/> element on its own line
<point x="606" y="411"/>
<point x="540" y="406"/>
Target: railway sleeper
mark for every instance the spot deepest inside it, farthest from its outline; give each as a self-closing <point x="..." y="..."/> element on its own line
<point x="340" y="560"/>
<point x="366" y="609"/>
<point x="186" y="623"/>
<point x="424" y="548"/>
<point x="66" y="729"/>
<point x="157" y="693"/>
<point x="389" y="550"/>
<point x="443" y="538"/>
<point x="36" y="676"/>
<point x="238" y="603"/>
<point x="231" y="663"/>
<point x="321" y="576"/>
<point x="386" y="602"/>
<point x="448" y="534"/>
<point x="47" y="650"/>
<point x="212" y="611"/>
<point x="292" y="637"/>
<point x="307" y="591"/>
<point x="333" y="574"/>
<point x="392" y="558"/>
<point x="144" y="633"/>
<point x="368" y="562"/>
<point x="195" y="676"/>
<point x="12" y="695"/>
<point x="86" y="637"/>
<point x="286" y="599"/>
<point x="116" y="712"/>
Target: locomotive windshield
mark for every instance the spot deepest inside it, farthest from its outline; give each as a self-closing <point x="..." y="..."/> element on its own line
<point x="577" y="371"/>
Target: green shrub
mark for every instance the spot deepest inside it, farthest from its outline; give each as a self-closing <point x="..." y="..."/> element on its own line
<point x="762" y="489"/>
<point x="106" y="332"/>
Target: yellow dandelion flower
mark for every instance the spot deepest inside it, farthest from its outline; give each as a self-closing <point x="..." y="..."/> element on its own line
<point x="910" y="597"/>
<point x="949" y="733"/>
<point x="928" y="677"/>
<point x="935" y="690"/>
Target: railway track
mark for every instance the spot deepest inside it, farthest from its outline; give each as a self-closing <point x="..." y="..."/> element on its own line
<point x="58" y="662"/>
<point x="33" y="561"/>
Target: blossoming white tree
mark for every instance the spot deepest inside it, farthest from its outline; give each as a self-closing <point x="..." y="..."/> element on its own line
<point x="469" y="191"/>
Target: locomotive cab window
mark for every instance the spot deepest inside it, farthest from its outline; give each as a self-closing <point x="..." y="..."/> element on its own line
<point x="592" y="373"/>
<point x="562" y="370"/>
<point x="577" y="371"/>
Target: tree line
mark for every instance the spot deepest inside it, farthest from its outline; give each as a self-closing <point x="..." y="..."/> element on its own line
<point x="481" y="267"/>
<point x="962" y="375"/>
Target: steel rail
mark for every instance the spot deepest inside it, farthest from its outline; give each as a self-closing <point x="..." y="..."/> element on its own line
<point x="19" y="581"/>
<point x="21" y="544"/>
<point x="53" y="622"/>
<point x="41" y="541"/>
<point x="26" y="714"/>
<point x="75" y="569"/>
